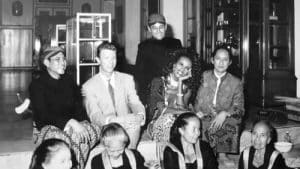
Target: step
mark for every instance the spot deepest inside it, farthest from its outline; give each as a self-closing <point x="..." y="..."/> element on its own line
<point x="15" y="160"/>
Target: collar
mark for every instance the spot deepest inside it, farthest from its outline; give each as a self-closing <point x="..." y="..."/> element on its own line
<point x="172" y="82"/>
<point x="105" y="79"/>
<point x="197" y="149"/>
<point x="48" y="80"/>
<point x="219" y="76"/>
<point x="127" y="153"/>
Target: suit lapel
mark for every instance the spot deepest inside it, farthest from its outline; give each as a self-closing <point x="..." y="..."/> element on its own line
<point x="102" y="90"/>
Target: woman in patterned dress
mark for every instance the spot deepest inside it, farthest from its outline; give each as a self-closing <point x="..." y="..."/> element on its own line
<point x="169" y="97"/>
<point x="220" y="104"/>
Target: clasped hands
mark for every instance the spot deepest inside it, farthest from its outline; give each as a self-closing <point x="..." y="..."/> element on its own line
<point x="217" y="122"/>
<point x="152" y="164"/>
<point x="79" y="131"/>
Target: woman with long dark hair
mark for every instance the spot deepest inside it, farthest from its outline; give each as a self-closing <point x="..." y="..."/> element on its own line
<point x="169" y="96"/>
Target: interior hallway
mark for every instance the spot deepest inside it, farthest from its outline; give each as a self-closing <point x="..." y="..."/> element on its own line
<point x="15" y="130"/>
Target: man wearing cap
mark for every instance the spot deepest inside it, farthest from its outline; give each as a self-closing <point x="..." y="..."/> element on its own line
<point x="152" y="55"/>
<point x="54" y="95"/>
<point x="57" y="109"/>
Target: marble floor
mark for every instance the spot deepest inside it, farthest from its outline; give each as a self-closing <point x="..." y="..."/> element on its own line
<point x="15" y="130"/>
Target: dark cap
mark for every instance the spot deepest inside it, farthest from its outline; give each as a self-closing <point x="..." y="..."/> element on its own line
<point x="50" y="52"/>
<point x="156" y="18"/>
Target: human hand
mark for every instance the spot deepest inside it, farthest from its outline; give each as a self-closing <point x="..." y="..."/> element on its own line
<point x="219" y="120"/>
<point x="116" y="119"/>
<point x="152" y="164"/>
<point x="200" y="114"/>
<point x="79" y="130"/>
<point x="135" y="118"/>
<point x="186" y="76"/>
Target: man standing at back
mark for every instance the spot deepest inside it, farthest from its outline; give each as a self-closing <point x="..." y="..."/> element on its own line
<point x="110" y="96"/>
<point x="152" y="54"/>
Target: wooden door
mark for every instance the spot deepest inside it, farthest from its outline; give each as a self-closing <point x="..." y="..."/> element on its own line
<point x="16" y="48"/>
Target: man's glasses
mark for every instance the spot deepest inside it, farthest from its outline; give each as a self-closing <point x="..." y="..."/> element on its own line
<point x="160" y="28"/>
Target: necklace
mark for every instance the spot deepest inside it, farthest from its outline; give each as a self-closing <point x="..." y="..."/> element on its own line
<point x="171" y="83"/>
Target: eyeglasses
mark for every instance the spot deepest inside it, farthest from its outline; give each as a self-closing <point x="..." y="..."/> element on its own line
<point x="58" y="59"/>
<point x="160" y="28"/>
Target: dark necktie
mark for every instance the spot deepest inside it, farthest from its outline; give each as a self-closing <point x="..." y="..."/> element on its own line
<point x="111" y="93"/>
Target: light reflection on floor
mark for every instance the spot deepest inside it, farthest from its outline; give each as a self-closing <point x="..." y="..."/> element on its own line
<point x="15" y="130"/>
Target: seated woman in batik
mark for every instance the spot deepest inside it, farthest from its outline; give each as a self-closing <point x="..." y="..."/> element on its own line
<point x="169" y="97"/>
<point x="220" y="104"/>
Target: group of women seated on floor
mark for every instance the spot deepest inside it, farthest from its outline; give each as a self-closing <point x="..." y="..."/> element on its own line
<point x="66" y="136"/>
<point x="184" y="151"/>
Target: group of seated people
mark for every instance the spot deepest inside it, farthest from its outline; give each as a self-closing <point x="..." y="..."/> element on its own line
<point x="108" y="112"/>
<point x="184" y="151"/>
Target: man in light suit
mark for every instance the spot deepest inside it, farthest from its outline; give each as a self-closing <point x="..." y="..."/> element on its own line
<point x="110" y="96"/>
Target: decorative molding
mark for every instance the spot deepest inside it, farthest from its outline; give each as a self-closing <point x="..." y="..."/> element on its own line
<point x="16" y="27"/>
<point x="59" y="10"/>
<point x="53" y="2"/>
<point x="39" y="10"/>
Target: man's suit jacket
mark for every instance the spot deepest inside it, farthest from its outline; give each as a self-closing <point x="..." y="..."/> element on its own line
<point x="99" y="104"/>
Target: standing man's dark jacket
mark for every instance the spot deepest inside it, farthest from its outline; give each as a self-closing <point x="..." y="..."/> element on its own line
<point x="152" y="57"/>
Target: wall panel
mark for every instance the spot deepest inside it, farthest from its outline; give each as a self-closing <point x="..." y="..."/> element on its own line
<point x="9" y="19"/>
<point x="16" y="48"/>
